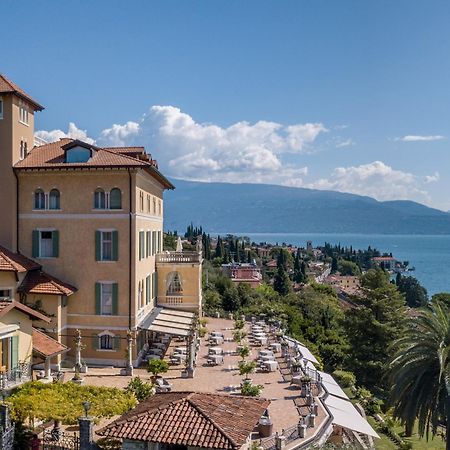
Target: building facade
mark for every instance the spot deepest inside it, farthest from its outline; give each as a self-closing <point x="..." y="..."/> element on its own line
<point x="92" y="217"/>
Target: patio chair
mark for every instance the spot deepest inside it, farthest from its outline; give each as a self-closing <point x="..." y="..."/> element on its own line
<point x="162" y="385"/>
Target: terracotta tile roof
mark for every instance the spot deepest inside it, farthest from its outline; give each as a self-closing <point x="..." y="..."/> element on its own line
<point x="46" y="345"/>
<point x="191" y="419"/>
<point x="5" y="307"/>
<point x="15" y="262"/>
<point x="8" y="87"/>
<point x="39" y="282"/>
<point x="52" y="156"/>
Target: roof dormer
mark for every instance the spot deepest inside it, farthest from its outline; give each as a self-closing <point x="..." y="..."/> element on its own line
<point x="78" y="151"/>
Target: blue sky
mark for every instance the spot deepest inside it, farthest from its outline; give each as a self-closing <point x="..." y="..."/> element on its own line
<point x="345" y="95"/>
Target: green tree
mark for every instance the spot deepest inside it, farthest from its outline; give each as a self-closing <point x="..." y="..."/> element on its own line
<point x="157" y="366"/>
<point x="442" y="298"/>
<point x="420" y="372"/>
<point x="348" y="268"/>
<point x="246" y="368"/>
<point x="334" y="265"/>
<point x="371" y="327"/>
<point x="140" y="389"/>
<point x="415" y="294"/>
<point x="281" y="281"/>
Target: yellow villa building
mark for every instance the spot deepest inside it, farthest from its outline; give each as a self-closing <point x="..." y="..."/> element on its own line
<point x="89" y="221"/>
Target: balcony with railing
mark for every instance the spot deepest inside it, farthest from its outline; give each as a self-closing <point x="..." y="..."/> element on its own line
<point x="178" y="258"/>
<point x="15" y="377"/>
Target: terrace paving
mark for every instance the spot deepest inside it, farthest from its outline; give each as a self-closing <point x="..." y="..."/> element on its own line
<point x="224" y="379"/>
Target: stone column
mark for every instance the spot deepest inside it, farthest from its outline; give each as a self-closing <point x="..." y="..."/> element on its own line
<point x="129" y="364"/>
<point x="47" y="368"/>
<point x="190" y="356"/>
<point x="86" y="425"/>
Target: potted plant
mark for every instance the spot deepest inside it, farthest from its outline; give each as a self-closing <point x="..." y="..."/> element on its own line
<point x="246" y="368"/>
<point x="243" y="352"/>
<point x="155" y="367"/>
<point x="251" y="390"/>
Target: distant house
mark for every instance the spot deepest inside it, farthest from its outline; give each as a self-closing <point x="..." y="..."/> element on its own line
<point x="186" y="420"/>
<point x="272" y="264"/>
<point x="263" y="252"/>
<point x="346" y="284"/>
<point x="385" y="262"/>
<point x="243" y="273"/>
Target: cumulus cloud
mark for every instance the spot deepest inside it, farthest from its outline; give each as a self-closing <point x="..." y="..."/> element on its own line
<point x="72" y="132"/>
<point x="206" y="152"/>
<point x="419" y="138"/>
<point x="377" y="180"/>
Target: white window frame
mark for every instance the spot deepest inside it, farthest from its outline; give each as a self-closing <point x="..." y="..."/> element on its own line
<point x="44" y="230"/>
<point x="11" y="293"/>
<point x="102" y="231"/>
<point x="111" y="336"/>
<point x="23" y="115"/>
<point x="109" y="283"/>
<point x="46" y="200"/>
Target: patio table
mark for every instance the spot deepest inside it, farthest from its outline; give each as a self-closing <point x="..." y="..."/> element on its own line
<point x="215" y="351"/>
<point x="181" y="350"/>
<point x="276" y="347"/>
<point x="271" y="366"/>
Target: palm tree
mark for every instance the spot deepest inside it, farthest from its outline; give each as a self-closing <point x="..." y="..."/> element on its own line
<point x="420" y="373"/>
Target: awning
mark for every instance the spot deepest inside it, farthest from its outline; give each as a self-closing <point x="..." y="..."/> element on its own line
<point x="346" y="415"/>
<point x="332" y="386"/>
<point x="169" y="321"/>
<point x="46" y="346"/>
<point x="306" y="353"/>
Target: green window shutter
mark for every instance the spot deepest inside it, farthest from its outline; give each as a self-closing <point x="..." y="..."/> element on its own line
<point x="98" y="244"/>
<point x="156" y="285"/>
<point x="115" y="299"/>
<point x="147" y="289"/>
<point x="115" y="245"/>
<point x="98" y="298"/>
<point x="35" y="244"/>
<point x="148" y="243"/>
<point x="14" y="351"/>
<point x="117" y="342"/>
<point x="55" y="241"/>
<point x="95" y="341"/>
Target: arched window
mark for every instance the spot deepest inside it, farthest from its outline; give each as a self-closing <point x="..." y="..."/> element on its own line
<point x="54" y="199"/>
<point x="99" y="199"/>
<point x="115" y="199"/>
<point x="39" y="199"/>
<point x="174" y="284"/>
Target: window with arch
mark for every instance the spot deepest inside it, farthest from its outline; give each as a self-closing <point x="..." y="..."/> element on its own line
<point x="107" y="341"/>
<point x="54" y="199"/>
<point x="174" y="284"/>
<point x="99" y="199"/>
<point x="115" y="199"/>
<point x="39" y="199"/>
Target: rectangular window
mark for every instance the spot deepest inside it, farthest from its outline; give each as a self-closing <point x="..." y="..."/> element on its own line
<point x="141" y="245"/>
<point x="45" y="244"/>
<point x="106" y="245"/>
<point x="159" y="242"/>
<point x="148" y="244"/>
<point x="154" y="205"/>
<point x="5" y="294"/>
<point x="154" y="286"/>
<point x="141" y="201"/>
<point x="106" y="299"/>
<point x="153" y="242"/>
<point x="23" y="115"/>
<point x="148" y="203"/>
<point x="106" y="342"/>
<point x="147" y="289"/>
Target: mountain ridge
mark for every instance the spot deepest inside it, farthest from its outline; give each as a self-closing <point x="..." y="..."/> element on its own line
<point x="265" y="208"/>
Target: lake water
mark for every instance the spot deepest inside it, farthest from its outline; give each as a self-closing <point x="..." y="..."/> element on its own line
<point x="430" y="255"/>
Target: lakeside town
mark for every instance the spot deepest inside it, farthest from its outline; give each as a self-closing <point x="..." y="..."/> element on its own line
<point x="115" y="334"/>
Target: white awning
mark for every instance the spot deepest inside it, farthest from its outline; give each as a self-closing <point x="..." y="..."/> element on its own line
<point x="174" y="322"/>
<point x="332" y="386"/>
<point x="8" y="330"/>
<point x="346" y="415"/>
<point x="306" y="353"/>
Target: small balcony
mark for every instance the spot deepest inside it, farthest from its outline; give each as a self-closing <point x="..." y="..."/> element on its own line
<point x="15" y="377"/>
<point x="178" y="258"/>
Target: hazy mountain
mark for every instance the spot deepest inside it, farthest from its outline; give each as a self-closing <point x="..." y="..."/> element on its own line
<point x="224" y="207"/>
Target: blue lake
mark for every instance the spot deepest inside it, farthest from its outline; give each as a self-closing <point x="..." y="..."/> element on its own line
<point x="428" y="254"/>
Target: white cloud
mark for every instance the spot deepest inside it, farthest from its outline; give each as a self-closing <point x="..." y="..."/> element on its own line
<point x="432" y="178"/>
<point x="347" y="143"/>
<point x="73" y="132"/>
<point x="377" y="180"/>
<point x="418" y="138"/>
<point x="242" y="152"/>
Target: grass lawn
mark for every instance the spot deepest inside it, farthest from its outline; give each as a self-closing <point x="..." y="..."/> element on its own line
<point x="418" y="444"/>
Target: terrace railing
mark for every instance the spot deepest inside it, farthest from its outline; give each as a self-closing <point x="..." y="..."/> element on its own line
<point x="178" y="257"/>
<point x="16" y="376"/>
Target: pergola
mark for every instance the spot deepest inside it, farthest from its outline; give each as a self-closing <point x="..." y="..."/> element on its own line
<point x="174" y="323"/>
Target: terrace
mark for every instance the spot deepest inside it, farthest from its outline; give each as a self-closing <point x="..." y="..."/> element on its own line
<point x="302" y="412"/>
